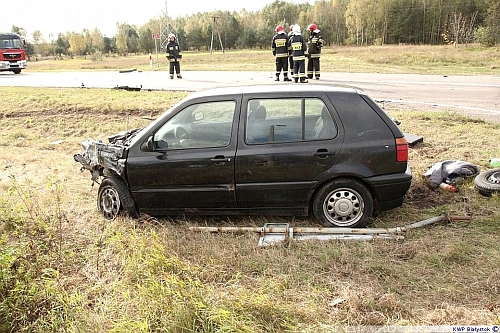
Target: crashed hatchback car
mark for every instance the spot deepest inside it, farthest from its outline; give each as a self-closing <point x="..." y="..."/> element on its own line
<point x="328" y="151"/>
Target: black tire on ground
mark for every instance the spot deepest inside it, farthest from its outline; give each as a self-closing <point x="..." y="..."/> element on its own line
<point x="343" y="203"/>
<point x="113" y="197"/>
<point x="488" y="182"/>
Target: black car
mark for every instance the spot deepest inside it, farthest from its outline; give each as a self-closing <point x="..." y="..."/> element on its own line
<point x="259" y="150"/>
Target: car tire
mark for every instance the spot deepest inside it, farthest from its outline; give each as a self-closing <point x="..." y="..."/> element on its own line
<point x="343" y="203"/>
<point x="488" y="182"/>
<point x="113" y="197"/>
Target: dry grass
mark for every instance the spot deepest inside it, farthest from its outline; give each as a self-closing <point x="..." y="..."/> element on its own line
<point x="64" y="268"/>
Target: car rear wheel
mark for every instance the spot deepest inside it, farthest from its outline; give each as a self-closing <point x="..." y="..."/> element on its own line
<point x="113" y="197"/>
<point x="343" y="203"/>
<point x="488" y="182"/>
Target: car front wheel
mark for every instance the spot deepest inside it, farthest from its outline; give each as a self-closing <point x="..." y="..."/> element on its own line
<point x="343" y="203"/>
<point x="113" y="197"/>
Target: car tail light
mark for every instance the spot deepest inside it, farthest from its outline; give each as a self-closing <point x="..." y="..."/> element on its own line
<point x="401" y="150"/>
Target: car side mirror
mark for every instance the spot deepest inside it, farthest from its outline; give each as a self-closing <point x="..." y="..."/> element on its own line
<point x="150" y="144"/>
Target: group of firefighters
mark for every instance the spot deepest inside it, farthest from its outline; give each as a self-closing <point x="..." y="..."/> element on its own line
<point x="290" y="50"/>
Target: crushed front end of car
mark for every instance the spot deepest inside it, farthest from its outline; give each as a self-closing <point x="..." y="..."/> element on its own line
<point x="104" y="159"/>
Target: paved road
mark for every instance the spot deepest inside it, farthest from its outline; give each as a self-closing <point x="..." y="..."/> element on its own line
<point x="476" y="94"/>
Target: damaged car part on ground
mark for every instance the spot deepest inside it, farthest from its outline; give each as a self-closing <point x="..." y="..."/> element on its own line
<point x="257" y="150"/>
<point x="273" y="233"/>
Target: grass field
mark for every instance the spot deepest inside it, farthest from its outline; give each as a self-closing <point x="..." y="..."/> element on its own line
<point x="421" y="59"/>
<point x="63" y="268"/>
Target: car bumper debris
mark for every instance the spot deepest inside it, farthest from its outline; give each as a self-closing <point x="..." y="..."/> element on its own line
<point x="274" y="233"/>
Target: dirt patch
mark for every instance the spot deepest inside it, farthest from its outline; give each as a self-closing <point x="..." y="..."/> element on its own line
<point x="73" y="111"/>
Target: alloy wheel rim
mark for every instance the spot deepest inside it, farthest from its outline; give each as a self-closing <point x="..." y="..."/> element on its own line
<point x="110" y="203"/>
<point x="343" y="207"/>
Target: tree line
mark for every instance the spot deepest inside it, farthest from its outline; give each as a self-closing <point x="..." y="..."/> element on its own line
<point x="342" y="22"/>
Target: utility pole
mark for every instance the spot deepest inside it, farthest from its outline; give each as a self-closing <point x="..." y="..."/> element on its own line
<point x="215" y="28"/>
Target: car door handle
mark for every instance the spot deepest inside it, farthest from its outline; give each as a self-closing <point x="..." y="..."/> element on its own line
<point x="323" y="153"/>
<point x="220" y="159"/>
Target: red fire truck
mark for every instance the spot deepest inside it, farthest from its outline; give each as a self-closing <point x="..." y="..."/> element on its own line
<point x="12" y="53"/>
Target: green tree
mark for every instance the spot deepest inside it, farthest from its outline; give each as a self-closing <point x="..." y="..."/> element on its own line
<point x="62" y="45"/>
<point x="97" y="40"/>
<point x="198" y="31"/>
<point x="121" y="40"/>
<point x="488" y="34"/>
<point x="329" y="16"/>
<point x="146" y="42"/>
<point x="77" y="44"/>
<point x="37" y="38"/>
<point x="110" y="45"/>
<point x="232" y="30"/>
<point x="400" y="18"/>
<point x="127" y="40"/>
<point x="355" y="21"/>
<point x="132" y="40"/>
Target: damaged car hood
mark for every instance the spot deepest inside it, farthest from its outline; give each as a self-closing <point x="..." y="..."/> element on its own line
<point x="99" y="157"/>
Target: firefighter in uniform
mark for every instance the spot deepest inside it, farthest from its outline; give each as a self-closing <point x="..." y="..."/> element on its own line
<point x="174" y="56"/>
<point x="314" y="44"/>
<point x="298" y="46"/>
<point x="279" y="46"/>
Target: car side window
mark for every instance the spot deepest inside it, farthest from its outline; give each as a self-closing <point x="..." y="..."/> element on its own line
<point x="200" y="125"/>
<point x="288" y="120"/>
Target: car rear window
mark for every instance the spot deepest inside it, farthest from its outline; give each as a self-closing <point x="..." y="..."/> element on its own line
<point x="358" y="116"/>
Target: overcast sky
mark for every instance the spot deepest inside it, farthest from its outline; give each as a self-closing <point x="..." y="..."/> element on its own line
<point x="61" y="16"/>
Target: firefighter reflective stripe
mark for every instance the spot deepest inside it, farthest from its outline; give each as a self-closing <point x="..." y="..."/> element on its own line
<point x="297" y="46"/>
<point x="280" y="42"/>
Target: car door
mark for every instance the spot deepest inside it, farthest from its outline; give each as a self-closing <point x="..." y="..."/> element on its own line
<point x="192" y="166"/>
<point x="281" y="157"/>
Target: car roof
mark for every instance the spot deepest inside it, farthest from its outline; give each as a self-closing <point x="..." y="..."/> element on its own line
<point x="8" y="34"/>
<point x="269" y="89"/>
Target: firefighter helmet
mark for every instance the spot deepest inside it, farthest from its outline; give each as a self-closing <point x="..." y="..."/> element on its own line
<point x="296" y="29"/>
<point x="279" y="29"/>
<point x="312" y="27"/>
<point x="171" y="35"/>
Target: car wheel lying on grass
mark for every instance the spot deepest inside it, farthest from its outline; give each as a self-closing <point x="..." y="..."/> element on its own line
<point x="343" y="203"/>
<point x="488" y="182"/>
<point x="113" y="197"/>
